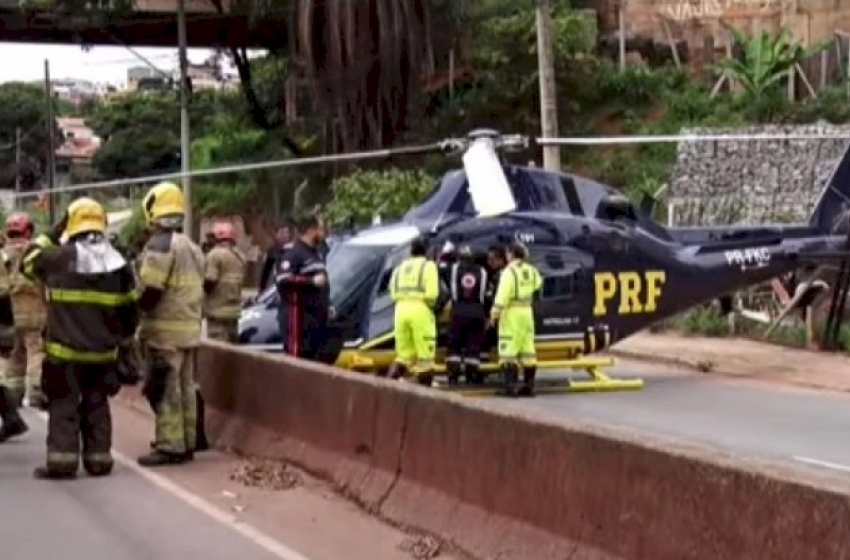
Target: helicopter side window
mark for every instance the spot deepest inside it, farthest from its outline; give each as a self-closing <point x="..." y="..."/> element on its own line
<point x="561" y="276"/>
<point x="382" y="292"/>
<point x="570" y="193"/>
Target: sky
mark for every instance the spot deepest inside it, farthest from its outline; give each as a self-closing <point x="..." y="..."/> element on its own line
<point x="100" y="64"/>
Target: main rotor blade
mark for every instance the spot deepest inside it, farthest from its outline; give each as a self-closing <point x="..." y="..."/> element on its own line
<point x="677" y="138"/>
<point x="294" y="162"/>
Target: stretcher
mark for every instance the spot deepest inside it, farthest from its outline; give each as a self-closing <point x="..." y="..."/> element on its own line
<point x="594" y="379"/>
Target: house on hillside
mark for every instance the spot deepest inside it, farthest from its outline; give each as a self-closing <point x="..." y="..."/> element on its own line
<point x="137" y="74"/>
<point x="74" y="155"/>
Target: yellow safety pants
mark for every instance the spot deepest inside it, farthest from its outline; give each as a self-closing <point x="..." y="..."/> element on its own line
<point x="516" y="336"/>
<point x="415" y="333"/>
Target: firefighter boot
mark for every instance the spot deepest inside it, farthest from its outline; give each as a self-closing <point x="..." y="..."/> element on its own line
<point x="453" y="369"/>
<point x="426" y="379"/>
<point x="13" y="424"/>
<point x="157" y="458"/>
<point x="511" y="377"/>
<point x="473" y="374"/>
<point x="397" y="371"/>
<point x="201" y="444"/>
<point x="528" y="375"/>
<point x="55" y="473"/>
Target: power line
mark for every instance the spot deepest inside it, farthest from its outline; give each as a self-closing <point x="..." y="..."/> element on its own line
<point x="297" y="162"/>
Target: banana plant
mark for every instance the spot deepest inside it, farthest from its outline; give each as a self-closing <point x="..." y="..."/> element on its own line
<point x="766" y="60"/>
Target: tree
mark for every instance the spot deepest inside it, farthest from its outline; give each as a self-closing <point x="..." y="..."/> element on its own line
<point x="360" y="196"/>
<point x="502" y="89"/>
<point x="22" y="106"/>
<point x="365" y="60"/>
<point x="764" y="61"/>
<point x="141" y="131"/>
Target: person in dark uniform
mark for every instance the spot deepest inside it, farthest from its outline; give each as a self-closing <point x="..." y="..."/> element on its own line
<point x="468" y="290"/>
<point x="282" y="238"/>
<point x="302" y="281"/>
<point x="497" y="260"/>
<point x="87" y="282"/>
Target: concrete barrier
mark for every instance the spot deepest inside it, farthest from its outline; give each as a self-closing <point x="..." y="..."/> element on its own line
<point x="503" y="485"/>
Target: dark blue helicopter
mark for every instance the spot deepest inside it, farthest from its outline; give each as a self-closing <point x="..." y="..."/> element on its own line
<point x="609" y="269"/>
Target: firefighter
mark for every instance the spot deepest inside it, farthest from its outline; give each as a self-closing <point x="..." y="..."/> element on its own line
<point x="468" y="290"/>
<point x="91" y="310"/>
<point x="302" y="281"/>
<point x="512" y="310"/>
<point x="223" y="279"/>
<point x="172" y="298"/>
<point x="12" y="423"/>
<point x="414" y="288"/>
<point x="24" y="366"/>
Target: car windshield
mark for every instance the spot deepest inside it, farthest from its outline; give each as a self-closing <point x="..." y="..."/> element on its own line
<point x="351" y="265"/>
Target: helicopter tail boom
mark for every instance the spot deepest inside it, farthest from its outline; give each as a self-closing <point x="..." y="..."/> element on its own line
<point x="831" y="208"/>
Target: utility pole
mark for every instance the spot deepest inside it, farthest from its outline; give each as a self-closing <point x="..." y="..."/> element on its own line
<point x="17" y="164"/>
<point x="185" y="145"/>
<point x="51" y="141"/>
<point x="548" y="95"/>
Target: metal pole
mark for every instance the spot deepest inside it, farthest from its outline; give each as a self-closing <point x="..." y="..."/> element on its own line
<point x="51" y="142"/>
<point x="17" y="163"/>
<point x="548" y="96"/>
<point x="185" y="142"/>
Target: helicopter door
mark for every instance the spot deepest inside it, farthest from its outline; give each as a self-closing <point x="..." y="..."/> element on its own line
<point x="566" y="300"/>
<point x="382" y="310"/>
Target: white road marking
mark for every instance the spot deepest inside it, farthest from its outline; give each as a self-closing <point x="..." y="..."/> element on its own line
<point x="274" y="547"/>
<point x="824" y="464"/>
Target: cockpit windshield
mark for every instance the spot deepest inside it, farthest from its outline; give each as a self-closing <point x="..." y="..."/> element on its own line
<point x="353" y="267"/>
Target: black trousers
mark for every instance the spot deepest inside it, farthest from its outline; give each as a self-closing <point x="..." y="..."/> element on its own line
<point x="465" y="338"/>
<point x="79" y="415"/>
<point x="303" y="333"/>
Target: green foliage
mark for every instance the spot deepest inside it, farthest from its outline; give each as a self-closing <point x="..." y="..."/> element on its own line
<point x="703" y="321"/>
<point x="503" y="56"/>
<point x="766" y="61"/>
<point x="389" y="193"/>
<point x="831" y="105"/>
<point x="229" y="140"/>
<point x="132" y="231"/>
<point x="637" y="86"/>
<point x="142" y="131"/>
<point x="22" y="106"/>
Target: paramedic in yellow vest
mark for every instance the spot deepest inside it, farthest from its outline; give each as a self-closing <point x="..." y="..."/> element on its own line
<point x="24" y="366"/>
<point x="171" y="301"/>
<point x="223" y="280"/>
<point x="414" y="287"/>
<point x="512" y="309"/>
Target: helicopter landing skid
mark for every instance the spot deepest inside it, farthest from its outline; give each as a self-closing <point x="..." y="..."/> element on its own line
<point x="598" y="380"/>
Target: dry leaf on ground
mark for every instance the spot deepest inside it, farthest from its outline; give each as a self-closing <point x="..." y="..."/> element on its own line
<point x="265" y="474"/>
<point x="421" y="547"/>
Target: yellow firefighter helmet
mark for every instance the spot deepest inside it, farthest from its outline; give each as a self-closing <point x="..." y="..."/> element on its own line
<point x="165" y="200"/>
<point x="85" y="215"/>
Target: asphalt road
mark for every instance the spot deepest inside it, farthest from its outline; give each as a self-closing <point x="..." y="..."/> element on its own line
<point x="805" y="428"/>
<point x="122" y="517"/>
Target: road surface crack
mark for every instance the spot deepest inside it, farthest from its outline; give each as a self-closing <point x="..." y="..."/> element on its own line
<point x="405" y="417"/>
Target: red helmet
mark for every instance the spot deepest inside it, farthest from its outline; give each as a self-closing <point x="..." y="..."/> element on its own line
<point x="19" y="224"/>
<point x="224" y="231"/>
